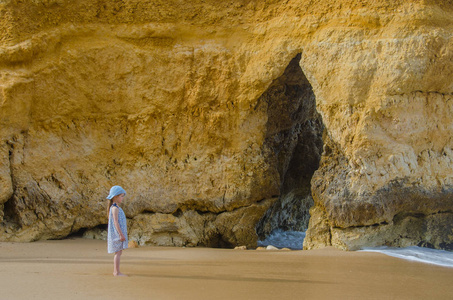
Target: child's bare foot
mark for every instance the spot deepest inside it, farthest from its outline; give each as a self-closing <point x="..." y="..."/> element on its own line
<point x="119" y="274"/>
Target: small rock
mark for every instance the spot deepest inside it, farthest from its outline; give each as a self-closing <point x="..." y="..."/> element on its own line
<point x="132" y="244"/>
<point x="270" y="247"/>
<point x="260" y="248"/>
<point x="240" y="248"/>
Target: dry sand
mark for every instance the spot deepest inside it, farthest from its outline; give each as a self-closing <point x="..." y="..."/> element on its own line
<point x="82" y="269"/>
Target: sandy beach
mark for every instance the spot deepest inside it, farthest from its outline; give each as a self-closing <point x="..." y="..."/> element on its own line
<point x="81" y="269"/>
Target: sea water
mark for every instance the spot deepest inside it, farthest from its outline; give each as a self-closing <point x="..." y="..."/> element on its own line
<point x="420" y="254"/>
<point x="295" y="239"/>
<point x="284" y="239"/>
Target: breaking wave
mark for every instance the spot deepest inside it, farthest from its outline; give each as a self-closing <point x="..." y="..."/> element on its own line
<point x="295" y="239"/>
<point x="419" y="254"/>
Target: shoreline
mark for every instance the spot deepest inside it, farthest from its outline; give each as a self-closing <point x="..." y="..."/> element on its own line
<point x="80" y="268"/>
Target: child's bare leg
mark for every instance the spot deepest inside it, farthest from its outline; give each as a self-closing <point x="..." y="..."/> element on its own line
<point x="116" y="264"/>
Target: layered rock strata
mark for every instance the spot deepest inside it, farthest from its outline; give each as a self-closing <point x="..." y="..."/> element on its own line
<point x="164" y="98"/>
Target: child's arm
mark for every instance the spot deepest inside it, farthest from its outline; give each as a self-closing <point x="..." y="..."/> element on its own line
<point x="117" y="225"/>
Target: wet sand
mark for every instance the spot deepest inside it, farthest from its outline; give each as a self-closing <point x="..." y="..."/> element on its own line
<point x="81" y="269"/>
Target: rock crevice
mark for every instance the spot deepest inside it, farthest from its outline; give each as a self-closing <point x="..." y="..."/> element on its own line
<point x="294" y="139"/>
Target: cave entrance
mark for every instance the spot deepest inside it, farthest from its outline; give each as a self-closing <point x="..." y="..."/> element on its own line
<point x="294" y="143"/>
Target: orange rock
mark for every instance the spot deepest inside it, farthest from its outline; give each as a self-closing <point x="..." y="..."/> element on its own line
<point x="132" y="244"/>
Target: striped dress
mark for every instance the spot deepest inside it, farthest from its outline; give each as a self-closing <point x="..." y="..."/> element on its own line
<point x="113" y="238"/>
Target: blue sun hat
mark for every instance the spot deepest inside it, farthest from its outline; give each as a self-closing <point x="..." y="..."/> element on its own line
<point x="115" y="191"/>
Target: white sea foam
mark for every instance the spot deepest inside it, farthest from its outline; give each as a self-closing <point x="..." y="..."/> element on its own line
<point x="284" y="239"/>
<point x="425" y="255"/>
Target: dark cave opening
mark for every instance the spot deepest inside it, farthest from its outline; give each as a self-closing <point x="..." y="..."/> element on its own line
<point x="294" y="141"/>
<point x="218" y="241"/>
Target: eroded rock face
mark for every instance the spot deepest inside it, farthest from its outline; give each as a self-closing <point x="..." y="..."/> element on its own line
<point x="163" y="98"/>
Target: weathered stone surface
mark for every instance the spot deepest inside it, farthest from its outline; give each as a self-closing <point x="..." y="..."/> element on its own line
<point x="163" y="98"/>
<point x="319" y="230"/>
<point x="193" y="228"/>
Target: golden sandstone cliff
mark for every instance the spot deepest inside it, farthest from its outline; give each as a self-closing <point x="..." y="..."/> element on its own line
<point x="213" y="114"/>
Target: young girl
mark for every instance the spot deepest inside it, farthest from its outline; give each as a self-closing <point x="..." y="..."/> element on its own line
<point x="117" y="230"/>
